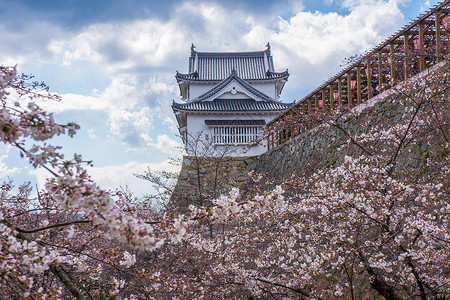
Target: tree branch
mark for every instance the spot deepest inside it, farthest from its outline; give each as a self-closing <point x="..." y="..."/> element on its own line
<point x="351" y="138"/>
<point x="296" y="290"/>
<point x="53" y="226"/>
<point x="60" y="273"/>
<point x="394" y="158"/>
<point x="65" y="279"/>
<point x="439" y="122"/>
<point x="377" y="282"/>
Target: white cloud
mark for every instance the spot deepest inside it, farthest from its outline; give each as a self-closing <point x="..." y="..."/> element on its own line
<point x="318" y="37"/>
<point x="162" y="90"/>
<point x="28" y="43"/>
<point x="162" y="85"/>
<point x="92" y="134"/>
<point x="117" y="176"/>
<point x="122" y="46"/>
<point x="425" y="6"/>
<point x="133" y="128"/>
<point x="127" y="47"/>
<point x="167" y="145"/>
<point x="75" y="102"/>
<point x="127" y="107"/>
<point x="5" y="170"/>
<point x="114" y="177"/>
<point x="125" y="92"/>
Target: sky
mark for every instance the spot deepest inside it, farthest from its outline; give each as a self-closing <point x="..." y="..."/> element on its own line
<point x="113" y="63"/>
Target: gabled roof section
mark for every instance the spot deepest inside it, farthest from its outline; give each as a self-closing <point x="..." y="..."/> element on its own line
<point x="217" y="66"/>
<point x="260" y="102"/>
<point x="233" y="77"/>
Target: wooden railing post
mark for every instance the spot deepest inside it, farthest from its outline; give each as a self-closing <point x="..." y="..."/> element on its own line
<point x="316" y="102"/>
<point x="437" y="24"/>
<point x="380" y="72"/>
<point x="273" y="140"/>
<point x="406" y="52"/>
<point x="305" y="111"/>
<point x="323" y="99"/>
<point x="296" y="130"/>
<point x="358" y="83"/>
<point x="369" y="79"/>
<point x="393" y="63"/>
<point x="422" y="58"/>
<point x="331" y="97"/>
<point x="349" y="90"/>
<point x="340" y="92"/>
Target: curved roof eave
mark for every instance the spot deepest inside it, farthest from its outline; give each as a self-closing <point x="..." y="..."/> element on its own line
<point x="231" y="105"/>
<point x="194" y="78"/>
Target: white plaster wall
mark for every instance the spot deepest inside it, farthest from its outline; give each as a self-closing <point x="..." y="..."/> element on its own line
<point x="266" y="88"/>
<point x="199" y="89"/>
<point x="196" y="90"/>
<point x="196" y="125"/>
<point x="229" y="95"/>
<point x="234" y="91"/>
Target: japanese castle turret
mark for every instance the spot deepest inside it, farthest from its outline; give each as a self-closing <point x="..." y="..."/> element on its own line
<point x="227" y="100"/>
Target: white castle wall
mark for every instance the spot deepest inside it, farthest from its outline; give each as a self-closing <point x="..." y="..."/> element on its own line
<point x="196" y="125"/>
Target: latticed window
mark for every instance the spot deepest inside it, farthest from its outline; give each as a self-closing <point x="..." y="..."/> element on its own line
<point x="235" y="135"/>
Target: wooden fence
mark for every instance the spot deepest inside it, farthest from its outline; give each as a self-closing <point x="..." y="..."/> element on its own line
<point x="416" y="47"/>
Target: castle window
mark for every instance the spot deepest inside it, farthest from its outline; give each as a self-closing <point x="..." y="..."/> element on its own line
<point x="235" y="135"/>
<point x="235" y="132"/>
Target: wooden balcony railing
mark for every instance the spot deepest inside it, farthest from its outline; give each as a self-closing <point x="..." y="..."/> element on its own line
<point x="418" y="46"/>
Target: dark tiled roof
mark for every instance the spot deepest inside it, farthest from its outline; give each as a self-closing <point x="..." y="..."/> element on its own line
<point x="189" y="76"/>
<point x="231" y="105"/>
<point x="235" y="122"/>
<point x="277" y="75"/>
<point x="224" y="83"/>
<point x="216" y="66"/>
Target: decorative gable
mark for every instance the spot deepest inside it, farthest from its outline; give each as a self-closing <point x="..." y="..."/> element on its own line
<point x="232" y="94"/>
<point x="233" y="87"/>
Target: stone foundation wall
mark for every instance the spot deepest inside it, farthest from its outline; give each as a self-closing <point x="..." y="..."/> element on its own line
<point x="321" y="147"/>
<point x="202" y="178"/>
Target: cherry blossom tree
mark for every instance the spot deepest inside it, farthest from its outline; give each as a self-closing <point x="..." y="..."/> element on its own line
<point x="374" y="224"/>
<point x="73" y="238"/>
